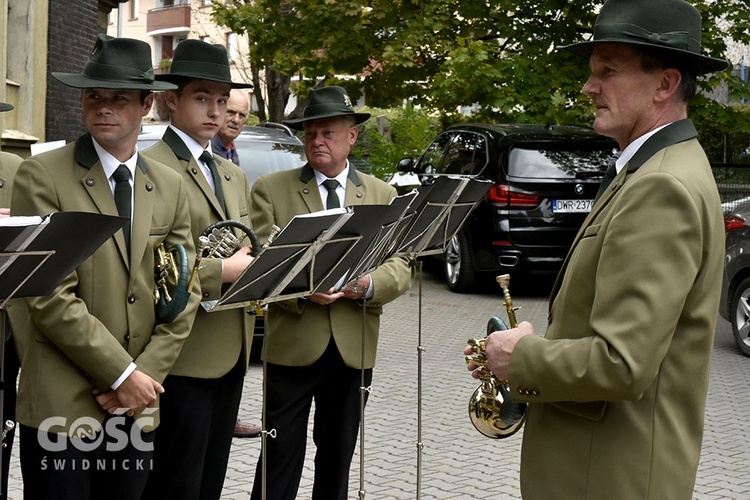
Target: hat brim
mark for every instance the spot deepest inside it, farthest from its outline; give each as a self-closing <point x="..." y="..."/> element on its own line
<point x="298" y="124"/>
<point x="4" y="106"/>
<point x="172" y="77"/>
<point x="701" y="64"/>
<point x="80" y="81"/>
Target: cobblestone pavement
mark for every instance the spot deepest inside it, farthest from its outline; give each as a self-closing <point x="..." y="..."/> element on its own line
<point x="456" y="461"/>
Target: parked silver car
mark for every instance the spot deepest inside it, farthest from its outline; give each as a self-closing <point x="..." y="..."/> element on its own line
<point x="265" y="148"/>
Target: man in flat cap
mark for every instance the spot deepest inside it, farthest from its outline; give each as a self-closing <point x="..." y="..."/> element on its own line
<point x="96" y="356"/>
<point x="205" y="386"/>
<point x="616" y="388"/>
<point x="313" y="346"/>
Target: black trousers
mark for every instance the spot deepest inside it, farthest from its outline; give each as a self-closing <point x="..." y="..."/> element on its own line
<point x="290" y="391"/>
<point x="11" y="366"/>
<point x="194" y="437"/>
<point x="110" y="464"/>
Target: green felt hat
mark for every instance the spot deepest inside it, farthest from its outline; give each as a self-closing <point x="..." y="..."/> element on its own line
<point x="672" y="26"/>
<point x="116" y="63"/>
<point x="201" y="61"/>
<point x="327" y="102"/>
<point x="4" y="106"/>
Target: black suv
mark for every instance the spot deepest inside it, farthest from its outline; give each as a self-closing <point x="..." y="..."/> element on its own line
<point x="545" y="179"/>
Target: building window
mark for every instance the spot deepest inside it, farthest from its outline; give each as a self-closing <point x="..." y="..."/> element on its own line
<point x="232" y="50"/>
<point x="206" y="3"/>
<point x="134" y="8"/>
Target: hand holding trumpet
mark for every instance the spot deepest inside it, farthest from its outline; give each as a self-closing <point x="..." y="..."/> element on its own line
<point x="498" y="347"/>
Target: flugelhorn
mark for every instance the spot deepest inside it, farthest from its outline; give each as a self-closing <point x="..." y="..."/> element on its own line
<point x="223" y="243"/>
<point x="170" y="269"/>
<point x="491" y="409"/>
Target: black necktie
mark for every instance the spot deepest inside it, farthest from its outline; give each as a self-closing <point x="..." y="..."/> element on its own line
<point x="333" y="199"/>
<point x="123" y="197"/>
<point x="208" y="159"/>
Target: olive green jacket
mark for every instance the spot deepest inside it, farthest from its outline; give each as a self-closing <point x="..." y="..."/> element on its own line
<point x="617" y="387"/>
<point x="101" y="317"/>
<point x="298" y="331"/>
<point x="218" y="339"/>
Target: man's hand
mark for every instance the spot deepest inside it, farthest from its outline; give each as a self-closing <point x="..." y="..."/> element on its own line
<point x="233" y="266"/>
<point x="4" y="212"/>
<point x="107" y="400"/>
<point x="136" y="393"/>
<point x="326" y="298"/>
<point x="498" y="348"/>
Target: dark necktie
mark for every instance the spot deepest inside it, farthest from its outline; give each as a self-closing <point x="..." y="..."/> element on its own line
<point x="123" y="198"/>
<point x="208" y="159"/>
<point x="609" y="176"/>
<point x="333" y="199"/>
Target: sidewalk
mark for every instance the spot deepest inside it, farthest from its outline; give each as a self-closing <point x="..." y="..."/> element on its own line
<point x="458" y="462"/>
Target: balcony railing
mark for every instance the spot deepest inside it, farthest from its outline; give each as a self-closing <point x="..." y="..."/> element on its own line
<point x="166" y="19"/>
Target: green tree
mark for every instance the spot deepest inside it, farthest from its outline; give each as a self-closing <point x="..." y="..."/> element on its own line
<point x="495" y="58"/>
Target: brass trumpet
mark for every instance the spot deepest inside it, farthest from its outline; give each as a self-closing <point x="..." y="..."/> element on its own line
<point x="491" y="409"/>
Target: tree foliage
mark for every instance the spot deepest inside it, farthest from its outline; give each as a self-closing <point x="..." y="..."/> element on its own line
<point x="494" y="58"/>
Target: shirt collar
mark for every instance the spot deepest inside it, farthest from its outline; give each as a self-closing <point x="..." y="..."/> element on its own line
<point x="633" y="148"/>
<point x="110" y="163"/>
<point x="343" y="175"/>
<point x="195" y="149"/>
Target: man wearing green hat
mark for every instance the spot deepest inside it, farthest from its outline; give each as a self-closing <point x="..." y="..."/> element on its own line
<point x="313" y="347"/>
<point x="204" y="389"/>
<point x="95" y="356"/>
<point x="617" y="386"/>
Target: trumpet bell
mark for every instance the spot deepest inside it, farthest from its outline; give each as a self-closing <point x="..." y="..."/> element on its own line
<point x="493" y="413"/>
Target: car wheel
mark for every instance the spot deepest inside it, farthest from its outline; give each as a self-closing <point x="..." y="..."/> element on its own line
<point x="459" y="265"/>
<point x="740" y="314"/>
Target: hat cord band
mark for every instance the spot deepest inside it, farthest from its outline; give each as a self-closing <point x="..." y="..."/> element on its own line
<point x="197" y="68"/>
<point x="107" y="72"/>
<point x="671" y="39"/>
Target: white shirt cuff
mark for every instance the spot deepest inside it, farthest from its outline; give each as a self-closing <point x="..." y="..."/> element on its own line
<point x="130" y="369"/>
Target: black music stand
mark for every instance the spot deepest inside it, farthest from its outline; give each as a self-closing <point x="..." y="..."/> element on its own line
<point x="38" y="253"/>
<point x="440" y="213"/>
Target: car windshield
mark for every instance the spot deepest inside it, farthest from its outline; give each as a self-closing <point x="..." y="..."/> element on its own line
<point x="557" y="162"/>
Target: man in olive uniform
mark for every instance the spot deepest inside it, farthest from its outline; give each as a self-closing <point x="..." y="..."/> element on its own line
<point x="95" y="358"/>
<point x="205" y="385"/>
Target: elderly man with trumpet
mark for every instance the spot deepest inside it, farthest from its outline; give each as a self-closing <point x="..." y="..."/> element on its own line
<point x="616" y="389"/>
<point x="205" y="385"/>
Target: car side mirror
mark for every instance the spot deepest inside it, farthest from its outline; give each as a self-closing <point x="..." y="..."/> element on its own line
<point x="405" y="165"/>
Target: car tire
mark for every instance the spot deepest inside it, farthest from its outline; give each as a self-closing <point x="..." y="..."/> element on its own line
<point x="459" y="264"/>
<point x="740" y="316"/>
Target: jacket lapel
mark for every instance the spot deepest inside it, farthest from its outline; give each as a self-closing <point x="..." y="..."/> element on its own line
<point x="193" y="169"/>
<point x="143" y="207"/>
<point x="96" y="184"/>
<point x="675" y="133"/>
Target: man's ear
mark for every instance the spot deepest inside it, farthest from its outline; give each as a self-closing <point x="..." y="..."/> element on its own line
<point x="669" y="84"/>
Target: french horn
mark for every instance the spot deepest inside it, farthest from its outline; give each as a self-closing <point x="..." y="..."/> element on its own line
<point x="170" y="269"/>
<point x="491" y="409"/>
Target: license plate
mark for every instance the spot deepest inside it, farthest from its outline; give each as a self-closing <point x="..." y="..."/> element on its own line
<point x="572" y="206"/>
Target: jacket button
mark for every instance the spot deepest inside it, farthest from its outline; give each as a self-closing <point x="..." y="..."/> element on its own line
<point x="127" y="337"/>
<point x="205" y="294"/>
<point x="534" y="392"/>
<point x="520" y="390"/>
<point x="131" y="299"/>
